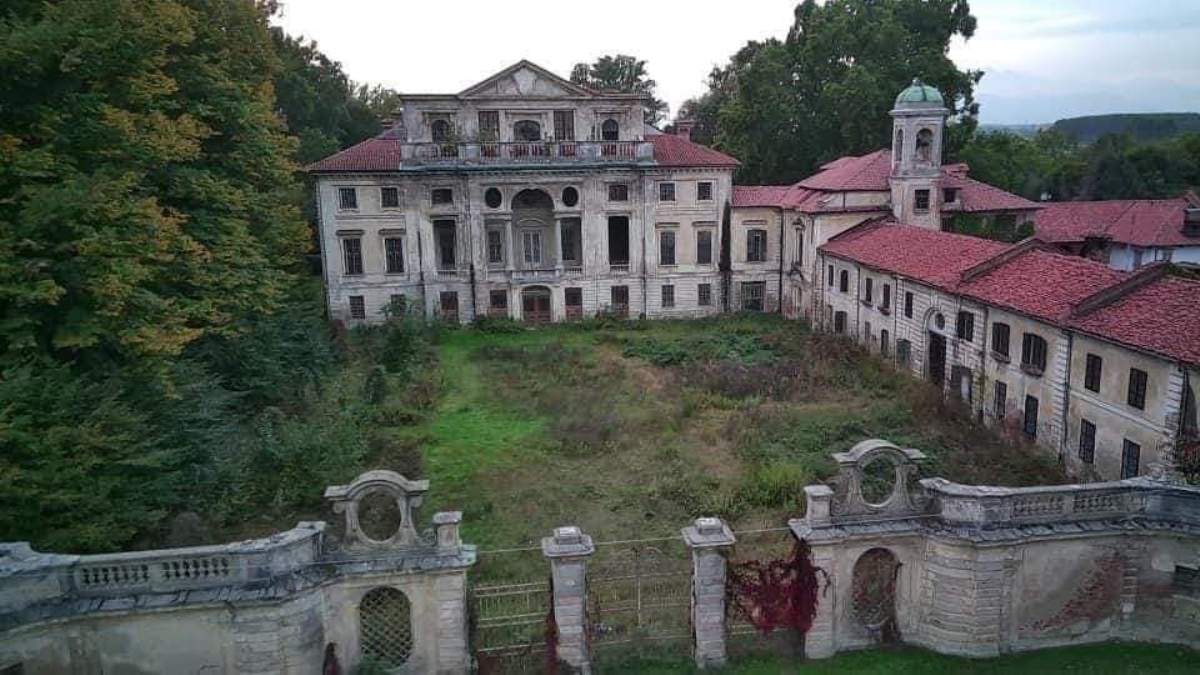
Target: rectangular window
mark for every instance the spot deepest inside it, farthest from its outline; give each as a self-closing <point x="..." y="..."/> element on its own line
<point x="352" y="255"/>
<point x="868" y="290"/>
<point x="564" y="125"/>
<point x="867" y="334"/>
<point x="921" y="200"/>
<point x="1131" y="459"/>
<point x="666" y="192"/>
<point x="1137" y="388"/>
<point x="1029" y="424"/>
<point x="489" y="125"/>
<point x="704" y="295"/>
<point x="1033" y="354"/>
<point x="449" y="305"/>
<point x="1087" y="441"/>
<point x="532" y="240"/>
<point x="498" y="299"/>
<point x="908" y="305"/>
<point x="668" y="297"/>
<point x="393" y="249"/>
<point x="347" y="198"/>
<point x="389" y="197"/>
<point x="620" y="299"/>
<point x="1000" y="404"/>
<point x="903" y="352"/>
<point x="1000" y="339"/>
<point x="358" y="307"/>
<point x="884" y="347"/>
<point x="829" y="279"/>
<point x="397" y="304"/>
<point x="442" y="196"/>
<point x="1091" y="376"/>
<point x="752" y="295"/>
<point x="839" y="323"/>
<point x="756" y="245"/>
<point x="949" y="195"/>
<point x="445" y="235"/>
<point x="704" y="247"/>
<point x="568" y="244"/>
<point x="618" y="192"/>
<point x="799" y="264"/>
<point x="965" y="327"/>
<point x="704" y="191"/>
<point x="666" y="248"/>
<point x="887" y="297"/>
<point x="495" y="247"/>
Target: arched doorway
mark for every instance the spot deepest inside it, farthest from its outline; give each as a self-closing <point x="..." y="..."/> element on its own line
<point x="936" y="348"/>
<point x="533" y="216"/>
<point x="873" y="593"/>
<point x="535" y="305"/>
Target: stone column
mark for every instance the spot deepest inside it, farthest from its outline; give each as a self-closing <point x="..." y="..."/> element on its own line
<point x="558" y="261"/>
<point x="708" y="539"/>
<point x="568" y="551"/>
<point x="509" y="247"/>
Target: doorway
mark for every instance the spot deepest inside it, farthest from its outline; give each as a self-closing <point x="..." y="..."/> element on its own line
<point x="937" y="358"/>
<point x="535" y="305"/>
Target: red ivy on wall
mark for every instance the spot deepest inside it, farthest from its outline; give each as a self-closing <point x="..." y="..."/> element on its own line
<point x="775" y="594"/>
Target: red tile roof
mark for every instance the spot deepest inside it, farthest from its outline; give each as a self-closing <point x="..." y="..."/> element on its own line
<point x="975" y="196"/>
<point x="1041" y="284"/>
<point x="1162" y="316"/>
<point x="1150" y="222"/>
<point x="868" y="172"/>
<point x="373" y="154"/>
<point x="934" y="257"/>
<point x="673" y="150"/>
<point x="759" y="195"/>
<point x="1156" y="315"/>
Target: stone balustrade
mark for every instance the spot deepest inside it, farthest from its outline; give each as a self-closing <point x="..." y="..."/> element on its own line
<point x="422" y="154"/>
<point x="993" y="506"/>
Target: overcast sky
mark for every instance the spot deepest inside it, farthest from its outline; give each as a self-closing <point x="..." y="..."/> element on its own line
<point x="1044" y="59"/>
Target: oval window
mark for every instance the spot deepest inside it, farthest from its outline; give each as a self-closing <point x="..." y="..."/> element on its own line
<point x="570" y="196"/>
<point x="492" y="198"/>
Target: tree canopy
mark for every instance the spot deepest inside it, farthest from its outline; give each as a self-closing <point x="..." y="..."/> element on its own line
<point x="625" y="74"/>
<point x="784" y="107"/>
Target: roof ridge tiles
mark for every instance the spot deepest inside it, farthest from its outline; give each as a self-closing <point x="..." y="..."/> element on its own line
<point x="1018" y="249"/>
<point x="1110" y="294"/>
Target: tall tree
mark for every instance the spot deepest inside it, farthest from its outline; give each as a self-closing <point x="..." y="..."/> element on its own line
<point x="625" y="74"/>
<point x="826" y="89"/>
<point x="148" y="225"/>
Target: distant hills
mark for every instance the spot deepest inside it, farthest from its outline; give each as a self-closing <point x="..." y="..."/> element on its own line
<point x="1142" y="126"/>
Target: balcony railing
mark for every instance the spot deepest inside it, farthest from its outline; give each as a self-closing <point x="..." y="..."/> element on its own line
<point x="419" y="154"/>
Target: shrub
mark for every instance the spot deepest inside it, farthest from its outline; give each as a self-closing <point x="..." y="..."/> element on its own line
<point x="493" y="324"/>
<point x="377" y="385"/>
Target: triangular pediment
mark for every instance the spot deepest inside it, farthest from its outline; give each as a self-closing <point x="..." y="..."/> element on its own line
<point x="525" y="80"/>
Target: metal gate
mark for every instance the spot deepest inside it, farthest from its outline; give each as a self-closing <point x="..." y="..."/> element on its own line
<point x="509" y="604"/>
<point x="640" y="595"/>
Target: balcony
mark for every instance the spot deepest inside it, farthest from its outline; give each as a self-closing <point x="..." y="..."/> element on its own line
<point x="543" y="152"/>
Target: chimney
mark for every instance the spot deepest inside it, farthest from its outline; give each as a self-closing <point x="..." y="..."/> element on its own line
<point x="683" y="128"/>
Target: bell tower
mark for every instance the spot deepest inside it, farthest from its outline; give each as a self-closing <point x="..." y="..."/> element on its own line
<point x="918" y="122"/>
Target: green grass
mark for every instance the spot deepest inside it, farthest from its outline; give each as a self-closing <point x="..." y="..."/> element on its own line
<point x="1102" y="659"/>
<point x="631" y="429"/>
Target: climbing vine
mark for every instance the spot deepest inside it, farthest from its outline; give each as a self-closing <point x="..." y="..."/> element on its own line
<point x="775" y="594"/>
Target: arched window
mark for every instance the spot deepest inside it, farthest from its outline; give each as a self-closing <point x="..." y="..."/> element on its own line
<point x="385" y="626"/>
<point x="527" y="130"/>
<point x="898" y="148"/>
<point x="924" y="145"/>
<point x="440" y="130"/>
<point x="610" y="130"/>
<point x="844" y="281"/>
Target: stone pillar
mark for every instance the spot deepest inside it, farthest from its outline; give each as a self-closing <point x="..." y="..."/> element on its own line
<point x="819" y="642"/>
<point x="818" y="499"/>
<point x="708" y="539"/>
<point x="445" y="523"/>
<point x="568" y="551"/>
<point x="558" y="261"/>
<point x="509" y="247"/>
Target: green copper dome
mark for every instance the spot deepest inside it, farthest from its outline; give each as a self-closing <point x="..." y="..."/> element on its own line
<point x="919" y="95"/>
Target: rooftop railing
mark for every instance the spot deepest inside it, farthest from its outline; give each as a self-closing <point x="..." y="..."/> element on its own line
<point x="421" y="154"/>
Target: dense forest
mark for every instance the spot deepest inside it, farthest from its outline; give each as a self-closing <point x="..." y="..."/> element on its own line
<point x="164" y="351"/>
<point x="163" y="348"/>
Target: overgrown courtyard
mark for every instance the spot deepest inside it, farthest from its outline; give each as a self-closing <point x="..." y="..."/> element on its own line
<point x="626" y="428"/>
